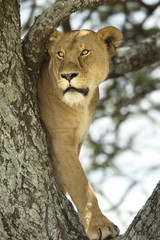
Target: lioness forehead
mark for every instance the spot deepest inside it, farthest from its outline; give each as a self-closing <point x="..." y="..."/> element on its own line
<point x="81" y="37"/>
<point x="78" y="33"/>
<point x="81" y="33"/>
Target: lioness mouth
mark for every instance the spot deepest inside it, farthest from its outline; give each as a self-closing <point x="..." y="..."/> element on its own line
<point x="84" y="91"/>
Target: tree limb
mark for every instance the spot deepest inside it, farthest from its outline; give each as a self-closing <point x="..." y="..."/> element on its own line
<point x="135" y="57"/>
<point x="35" y="40"/>
<point x="126" y="59"/>
<point x="145" y="225"/>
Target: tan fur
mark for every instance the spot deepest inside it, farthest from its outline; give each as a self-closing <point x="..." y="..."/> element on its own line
<point x="83" y="56"/>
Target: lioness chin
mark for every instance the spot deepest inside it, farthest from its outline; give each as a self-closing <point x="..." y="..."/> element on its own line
<point x="68" y="92"/>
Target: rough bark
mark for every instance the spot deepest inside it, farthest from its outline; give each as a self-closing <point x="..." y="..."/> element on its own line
<point x="31" y="204"/>
<point x="132" y="58"/>
<point x="145" y="225"/>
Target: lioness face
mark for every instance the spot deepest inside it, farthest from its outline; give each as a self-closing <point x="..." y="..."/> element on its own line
<point x="79" y="61"/>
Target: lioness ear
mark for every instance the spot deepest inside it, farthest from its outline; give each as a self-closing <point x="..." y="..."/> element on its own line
<point x="56" y="35"/>
<point x="111" y="36"/>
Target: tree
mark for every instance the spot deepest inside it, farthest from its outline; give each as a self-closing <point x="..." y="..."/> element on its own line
<point x="31" y="204"/>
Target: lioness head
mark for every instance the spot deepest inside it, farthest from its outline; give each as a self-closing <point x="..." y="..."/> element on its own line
<point x="79" y="61"/>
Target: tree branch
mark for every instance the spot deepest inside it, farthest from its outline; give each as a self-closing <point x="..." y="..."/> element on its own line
<point x="34" y="42"/>
<point x="126" y="59"/>
<point x="146" y="224"/>
<point x="135" y="57"/>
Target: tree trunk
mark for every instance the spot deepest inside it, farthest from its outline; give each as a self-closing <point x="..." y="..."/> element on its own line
<point x="31" y="204"/>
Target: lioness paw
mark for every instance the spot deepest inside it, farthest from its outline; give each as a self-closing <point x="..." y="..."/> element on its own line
<point x="106" y="230"/>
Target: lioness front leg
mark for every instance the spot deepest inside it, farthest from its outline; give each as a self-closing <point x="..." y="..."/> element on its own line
<point x="99" y="227"/>
<point x="69" y="169"/>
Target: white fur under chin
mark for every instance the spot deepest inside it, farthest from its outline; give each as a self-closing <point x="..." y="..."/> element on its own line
<point x="73" y="98"/>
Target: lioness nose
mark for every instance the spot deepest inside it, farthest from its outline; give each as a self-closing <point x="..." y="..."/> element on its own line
<point x="69" y="76"/>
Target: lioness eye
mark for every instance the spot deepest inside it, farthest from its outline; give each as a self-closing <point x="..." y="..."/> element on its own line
<point x="60" y="54"/>
<point x="85" y="52"/>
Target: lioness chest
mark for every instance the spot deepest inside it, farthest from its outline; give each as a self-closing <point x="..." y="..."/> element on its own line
<point x="73" y="125"/>
<point x="66" y="124"/>
<point x="83" y="126"/>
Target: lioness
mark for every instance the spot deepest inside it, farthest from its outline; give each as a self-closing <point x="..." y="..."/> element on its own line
<point x="68" y="92"/>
